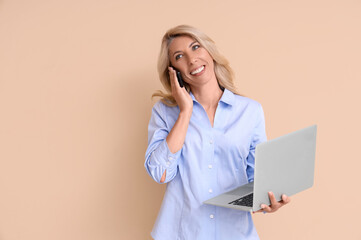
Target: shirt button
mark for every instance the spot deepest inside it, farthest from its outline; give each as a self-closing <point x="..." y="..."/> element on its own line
<point x="210" y="166"/>
<point x="168" y="163"/>
<point x="210" y="190"/>
<point x="170" y="158"/>
<point x="211" y="216"/>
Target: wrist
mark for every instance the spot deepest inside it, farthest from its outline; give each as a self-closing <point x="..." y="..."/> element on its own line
<point x="187" y="113"/>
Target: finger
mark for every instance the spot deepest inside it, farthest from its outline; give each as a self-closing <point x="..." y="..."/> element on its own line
<point x="272" y="198"/>
<point x="266" y="208"/>
<point x="173" y="77"/>
<point x="261" y="210"/>
<point x="285" y="199"/>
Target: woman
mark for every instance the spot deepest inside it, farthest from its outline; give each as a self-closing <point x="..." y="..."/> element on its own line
<point x="202" y="140"/>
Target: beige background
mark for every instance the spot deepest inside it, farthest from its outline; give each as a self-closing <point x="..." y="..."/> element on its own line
<point x="75" y="84"/>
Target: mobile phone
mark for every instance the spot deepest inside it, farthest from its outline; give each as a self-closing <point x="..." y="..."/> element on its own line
<point x="179" y="77"/>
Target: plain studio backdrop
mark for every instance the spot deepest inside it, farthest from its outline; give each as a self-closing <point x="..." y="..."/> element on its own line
<point x="76" y="79"/>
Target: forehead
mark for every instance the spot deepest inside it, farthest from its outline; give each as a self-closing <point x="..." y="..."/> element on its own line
<point x="180" y="43"/>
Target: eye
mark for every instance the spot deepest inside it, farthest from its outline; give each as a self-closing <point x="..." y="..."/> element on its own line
<point x="195" y="47"/>
<point x="178" y="56"/>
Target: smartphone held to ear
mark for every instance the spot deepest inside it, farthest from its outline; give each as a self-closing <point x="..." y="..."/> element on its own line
<point x="179" y="77"/>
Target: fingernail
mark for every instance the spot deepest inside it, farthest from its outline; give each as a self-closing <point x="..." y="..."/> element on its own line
<point x="263" y="206"/>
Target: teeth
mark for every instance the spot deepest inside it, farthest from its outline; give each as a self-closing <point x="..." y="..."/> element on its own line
<point x="198" y="70"/>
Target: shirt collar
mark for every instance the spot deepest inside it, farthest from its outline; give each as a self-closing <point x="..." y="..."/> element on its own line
<point x="192" y="96"/>
<point x="227" y="97"/>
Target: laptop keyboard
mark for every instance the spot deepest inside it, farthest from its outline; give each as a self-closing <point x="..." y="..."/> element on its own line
<point x="244" y="201"/>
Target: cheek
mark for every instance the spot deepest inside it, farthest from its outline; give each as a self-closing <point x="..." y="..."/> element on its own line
<point x="210" y="62"/>
<point x="207" y="57"/>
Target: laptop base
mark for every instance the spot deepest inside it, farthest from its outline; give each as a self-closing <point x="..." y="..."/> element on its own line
<point x="225" y="199"/>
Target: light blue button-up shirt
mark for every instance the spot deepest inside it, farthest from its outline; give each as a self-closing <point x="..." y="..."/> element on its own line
<point x="213" y="160"/>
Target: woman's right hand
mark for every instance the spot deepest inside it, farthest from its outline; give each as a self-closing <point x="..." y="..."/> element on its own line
<point x="176" y="136"/>
<point x="180" y="94"/>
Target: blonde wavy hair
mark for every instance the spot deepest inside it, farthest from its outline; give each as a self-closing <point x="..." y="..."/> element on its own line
<point x="223" y="71"/>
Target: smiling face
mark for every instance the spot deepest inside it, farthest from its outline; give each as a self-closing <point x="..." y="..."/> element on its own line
<point x="192" y="60"/>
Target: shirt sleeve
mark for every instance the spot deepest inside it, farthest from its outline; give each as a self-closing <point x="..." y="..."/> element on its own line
<point x="259" y="135"/>
<point x="158" y="157"/>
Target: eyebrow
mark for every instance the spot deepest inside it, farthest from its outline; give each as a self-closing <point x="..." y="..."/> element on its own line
<point x="188" y="47"/>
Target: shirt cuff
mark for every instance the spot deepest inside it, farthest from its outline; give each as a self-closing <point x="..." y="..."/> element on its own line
<point x="170" y="158"/>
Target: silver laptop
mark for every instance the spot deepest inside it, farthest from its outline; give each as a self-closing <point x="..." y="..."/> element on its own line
<point x="284" y="165"/>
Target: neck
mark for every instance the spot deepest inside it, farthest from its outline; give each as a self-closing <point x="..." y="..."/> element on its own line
<point x="208" y="95"/>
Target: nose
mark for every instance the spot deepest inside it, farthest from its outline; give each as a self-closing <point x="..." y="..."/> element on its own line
<point x="192" y="58"/>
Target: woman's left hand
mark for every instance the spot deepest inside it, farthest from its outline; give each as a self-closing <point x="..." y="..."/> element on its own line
<point x="274" y="204"/>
